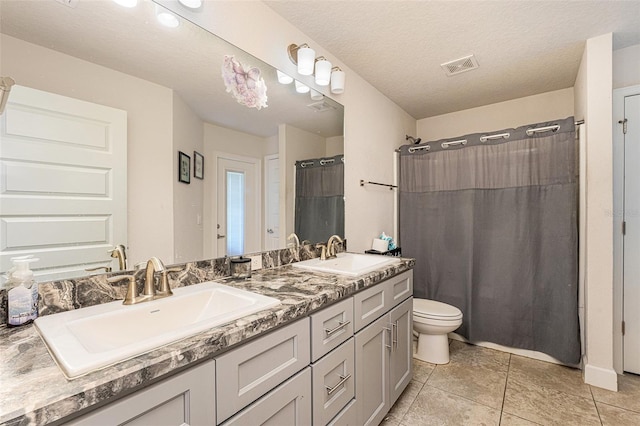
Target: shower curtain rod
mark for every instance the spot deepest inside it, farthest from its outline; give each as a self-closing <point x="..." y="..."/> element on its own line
<point x="363" y="183"/>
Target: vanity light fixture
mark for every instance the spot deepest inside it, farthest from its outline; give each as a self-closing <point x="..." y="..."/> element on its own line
<point x="166" y="18"/>
<point x="303" y="56"/>
<point x="191" y="4"/>
<point x="337" y="80"/>
<point x="316" y="96"/>
<point x="283" y="78"/>
<point x="301" y="88"/>
<point x="126" y="3"/>
<point x="323" y="71"/>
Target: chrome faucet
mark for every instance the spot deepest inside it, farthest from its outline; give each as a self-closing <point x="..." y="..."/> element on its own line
<point x="331" y="246"/>
<point x="293" y="236"/>
<point x="153" y="265"/>
<point x="118" y="252"/>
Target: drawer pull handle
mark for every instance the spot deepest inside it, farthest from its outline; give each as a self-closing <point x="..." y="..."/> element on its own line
<point x="390" y="333"/>
<point x="340" y="326"/>
<point x="343" y="379"/>
<point x="394" y="334"/>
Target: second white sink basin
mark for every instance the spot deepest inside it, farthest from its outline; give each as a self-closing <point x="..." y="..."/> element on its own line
<point x="351" y="264"/>
<point x="87" y="339"/>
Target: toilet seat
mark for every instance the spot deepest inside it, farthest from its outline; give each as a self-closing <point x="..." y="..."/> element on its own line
<point x="431" y="309"/>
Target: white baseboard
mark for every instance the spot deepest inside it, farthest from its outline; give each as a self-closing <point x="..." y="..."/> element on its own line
<point x="605" y="378"/>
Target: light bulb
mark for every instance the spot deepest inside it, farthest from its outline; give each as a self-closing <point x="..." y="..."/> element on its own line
<point x="323" y="72"/>
<point x="301" y="88"/>
<point x="306" y="60"/>
<point x="337" y="81"/>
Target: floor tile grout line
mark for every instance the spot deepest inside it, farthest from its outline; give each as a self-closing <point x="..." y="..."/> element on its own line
<point x="504" y="393"/>
<point x="595" y="405"/>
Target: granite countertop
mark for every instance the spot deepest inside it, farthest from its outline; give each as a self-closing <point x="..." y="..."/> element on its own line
<point x="33" y="390"/>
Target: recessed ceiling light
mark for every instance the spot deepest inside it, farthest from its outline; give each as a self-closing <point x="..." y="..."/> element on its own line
<point x="166" y="18"/>
<point x="192" y="4"/>
<point x="127" y="3"/>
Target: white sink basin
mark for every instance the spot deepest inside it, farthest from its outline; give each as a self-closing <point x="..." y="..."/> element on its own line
<point x="352" y="264"/>
<point x="87" y="339"/>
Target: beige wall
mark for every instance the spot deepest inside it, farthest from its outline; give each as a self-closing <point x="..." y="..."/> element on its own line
<point x="295" y="144"/>
<point x="509" y="114"/>
<point x="374" y="126"/>
<point x="335" y="146"/>
<point x="188" y="228"/>
<point x="594" y="105"/>
<point x="149" y="132"/>
<point x="626" y="66"/>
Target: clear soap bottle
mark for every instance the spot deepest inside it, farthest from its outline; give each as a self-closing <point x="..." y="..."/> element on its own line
<point x="22" y="293"/>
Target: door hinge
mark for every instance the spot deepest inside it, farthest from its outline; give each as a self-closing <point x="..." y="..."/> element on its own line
<point x="624" y="125"/>
<point x="624" y="228"/>
<point x="623" y="328"/>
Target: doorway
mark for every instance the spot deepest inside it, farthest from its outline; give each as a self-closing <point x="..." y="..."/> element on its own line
<point x="272" y="202"/>
<point x="238" y="205"/>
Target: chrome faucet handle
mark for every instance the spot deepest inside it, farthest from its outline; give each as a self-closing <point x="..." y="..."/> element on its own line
<point x="132" y="290"/>
<point x="164" y="289"/>
<point x="323" y="253"/>
<point x="97" y="268"/>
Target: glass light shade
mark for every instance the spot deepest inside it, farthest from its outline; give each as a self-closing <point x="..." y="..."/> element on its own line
<point x="337" y="82"/>
<point x="191" y="4"/>
<point x="323" y="72"/>
<point x="301" y="88"/>
<point x="166" y="18"/>
<point x="316" y="96"/>
<point x="127" y="3"/>
<point x="283" y="78"/>
<point x="306" y="60"/>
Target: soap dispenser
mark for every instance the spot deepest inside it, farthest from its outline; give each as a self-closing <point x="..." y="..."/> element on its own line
<point x="22" y="294"/>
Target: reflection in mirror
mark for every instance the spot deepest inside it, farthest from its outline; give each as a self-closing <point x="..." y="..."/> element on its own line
<point x="105" y="98"/>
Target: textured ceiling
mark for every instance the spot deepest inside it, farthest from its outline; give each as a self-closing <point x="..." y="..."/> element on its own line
<point x="187" y="59"/>
<point x="522" y="47"/>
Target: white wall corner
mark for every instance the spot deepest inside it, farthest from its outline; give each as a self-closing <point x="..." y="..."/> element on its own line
<point x="605" y="378"/>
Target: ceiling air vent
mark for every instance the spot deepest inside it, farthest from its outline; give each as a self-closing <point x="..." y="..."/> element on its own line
<point x="321" y="106"/>
<point x="461" y="65"/>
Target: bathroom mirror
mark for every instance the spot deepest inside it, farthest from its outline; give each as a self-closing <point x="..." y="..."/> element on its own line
<point x="169" y="83"/>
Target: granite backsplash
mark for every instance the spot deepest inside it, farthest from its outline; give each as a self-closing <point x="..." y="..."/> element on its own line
<point x="65" y="295"/>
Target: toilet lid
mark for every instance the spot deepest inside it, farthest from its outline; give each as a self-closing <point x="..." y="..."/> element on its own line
<point x="432" y="308"/>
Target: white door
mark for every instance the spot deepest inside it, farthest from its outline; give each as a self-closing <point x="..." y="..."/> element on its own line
<point x="272" y="202"/>
<point x="632" y="237"/>
<point x="238" y="194"/>
<point x="63" y="182"/>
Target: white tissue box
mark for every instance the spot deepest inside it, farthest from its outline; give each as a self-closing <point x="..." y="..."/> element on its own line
<point x="380" y="245"/>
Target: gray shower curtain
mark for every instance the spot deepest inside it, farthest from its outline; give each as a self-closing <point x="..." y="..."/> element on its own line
<point x="493" y="228"/>
<point x="319" y="203"/>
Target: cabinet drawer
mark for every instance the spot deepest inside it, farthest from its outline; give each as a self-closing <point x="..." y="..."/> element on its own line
<point x="330" y="327"/>
<point x="333" y="383"/>
<point x="399" y="287"/>
<point x="288" y="404"/>
<point x="186" y="398"/>
<point x="248" y="372"/>
<point x="369" y="304"/>
<point x="347" y="417"/>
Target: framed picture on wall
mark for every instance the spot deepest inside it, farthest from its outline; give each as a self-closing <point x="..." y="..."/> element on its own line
<point x="198" y="165"/>
<point x="184" y="167"/>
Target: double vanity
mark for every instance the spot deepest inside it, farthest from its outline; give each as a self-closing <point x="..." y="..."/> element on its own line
<point x="297" y="345"/>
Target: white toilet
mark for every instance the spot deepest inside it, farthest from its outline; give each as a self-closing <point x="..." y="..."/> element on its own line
<point x="432" y="321"/>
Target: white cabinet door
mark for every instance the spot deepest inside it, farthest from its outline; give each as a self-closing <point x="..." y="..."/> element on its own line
<point x="185" y="399"/>
<point x="287" y="405"/>
<point x="400" y="365"/>
<point x="372" y="372"/>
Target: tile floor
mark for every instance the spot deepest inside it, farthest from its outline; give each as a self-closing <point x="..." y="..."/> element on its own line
<point x="482" y="386"/>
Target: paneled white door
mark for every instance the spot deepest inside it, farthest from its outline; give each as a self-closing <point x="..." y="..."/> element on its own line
<point x="272" y="202"/>
<point x="63" y="182"/>
<point x="632" y="236"/>
<point x="239" y="201"/>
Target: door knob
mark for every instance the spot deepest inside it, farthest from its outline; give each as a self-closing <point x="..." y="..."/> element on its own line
<point x="220" y="236"/>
